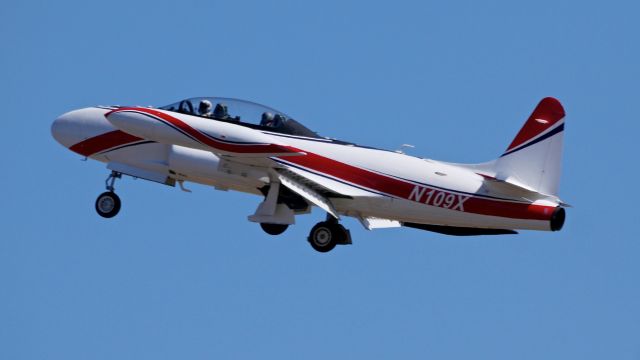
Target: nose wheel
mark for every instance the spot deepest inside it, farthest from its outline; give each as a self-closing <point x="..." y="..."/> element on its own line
<point x="108" y="203"/>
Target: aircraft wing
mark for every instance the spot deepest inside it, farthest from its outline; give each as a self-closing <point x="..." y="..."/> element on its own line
<point x="320" y="190"/>
<point x="323" y="184"/>
<point x="308" y="190"/>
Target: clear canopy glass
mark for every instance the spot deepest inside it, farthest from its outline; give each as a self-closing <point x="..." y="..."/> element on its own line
<point x="242" y="112"/>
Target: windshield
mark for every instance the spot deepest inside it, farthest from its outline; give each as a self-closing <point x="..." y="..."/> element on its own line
<point x="243" y="113"/>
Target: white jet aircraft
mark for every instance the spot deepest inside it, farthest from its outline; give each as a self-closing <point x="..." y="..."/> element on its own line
<point x="238" y="145"/>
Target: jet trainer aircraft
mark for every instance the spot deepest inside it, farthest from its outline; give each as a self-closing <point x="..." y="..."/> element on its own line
<point x="239" y="145"/>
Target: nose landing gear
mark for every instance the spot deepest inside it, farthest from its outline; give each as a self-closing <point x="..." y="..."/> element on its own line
<point x="108" y="203"/>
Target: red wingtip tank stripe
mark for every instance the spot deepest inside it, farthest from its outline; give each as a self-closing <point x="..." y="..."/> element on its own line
<point x="103" y="142"/>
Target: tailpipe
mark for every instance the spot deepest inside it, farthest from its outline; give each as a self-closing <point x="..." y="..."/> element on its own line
<point x="557" y="219"/>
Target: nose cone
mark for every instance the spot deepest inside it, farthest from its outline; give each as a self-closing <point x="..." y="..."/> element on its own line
<point x="68" y="129"/>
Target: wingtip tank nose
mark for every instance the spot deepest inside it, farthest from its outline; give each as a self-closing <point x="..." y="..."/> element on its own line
<point x="66" y="129"/>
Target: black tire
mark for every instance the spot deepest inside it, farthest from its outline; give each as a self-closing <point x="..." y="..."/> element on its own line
<point x="340" y="233"/>
<point x="274" y="229"/>
<point x="108" y="204"/>
<point x="326" y="235"/>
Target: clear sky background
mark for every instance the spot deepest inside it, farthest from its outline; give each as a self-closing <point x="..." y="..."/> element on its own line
<point x="186" y="276"/>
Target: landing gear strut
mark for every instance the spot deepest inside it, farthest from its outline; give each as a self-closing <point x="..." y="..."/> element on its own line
<point x="108" y="203"/>
<point x="327" y="234"/>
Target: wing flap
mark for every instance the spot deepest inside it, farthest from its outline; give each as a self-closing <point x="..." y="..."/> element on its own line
<point x="330" y="186"/>
<point x="308" y="193"/>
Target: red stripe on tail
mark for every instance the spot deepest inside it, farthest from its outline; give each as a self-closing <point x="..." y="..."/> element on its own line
<point x="548" y="112"/>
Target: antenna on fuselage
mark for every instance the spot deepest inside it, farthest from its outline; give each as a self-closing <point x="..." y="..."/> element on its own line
<point x="403" y="146"/>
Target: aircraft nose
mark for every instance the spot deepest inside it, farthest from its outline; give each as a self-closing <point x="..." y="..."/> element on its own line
<point x="67" y="129"/>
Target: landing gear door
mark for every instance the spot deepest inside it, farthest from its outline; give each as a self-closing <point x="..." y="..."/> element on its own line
<point x="141" y="173"/>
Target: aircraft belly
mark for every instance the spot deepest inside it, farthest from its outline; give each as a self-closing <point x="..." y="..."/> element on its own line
<point x="409" y="211"/>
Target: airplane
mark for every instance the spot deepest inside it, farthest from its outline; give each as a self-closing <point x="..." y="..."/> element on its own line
<point x="233" y="144"/>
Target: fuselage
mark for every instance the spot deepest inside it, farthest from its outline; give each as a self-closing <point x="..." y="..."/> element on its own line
<point x="374" y="183"/>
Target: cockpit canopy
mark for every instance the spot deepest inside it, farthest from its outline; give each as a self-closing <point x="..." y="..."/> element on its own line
<point x="244" y="113"/>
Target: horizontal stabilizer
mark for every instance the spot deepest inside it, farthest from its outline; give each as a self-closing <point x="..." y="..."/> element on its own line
<point x="514" y="190"/>
<point x="371" y="223"/>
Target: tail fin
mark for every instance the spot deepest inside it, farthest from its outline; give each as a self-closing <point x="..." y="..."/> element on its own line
<point x="533" y="159"/>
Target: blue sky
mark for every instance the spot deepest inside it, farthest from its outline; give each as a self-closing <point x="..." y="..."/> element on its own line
<point x="179" y="275"/>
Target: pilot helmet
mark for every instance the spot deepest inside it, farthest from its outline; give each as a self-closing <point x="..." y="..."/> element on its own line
<point x="267" y="118"/>
<point x="205" y="107"/>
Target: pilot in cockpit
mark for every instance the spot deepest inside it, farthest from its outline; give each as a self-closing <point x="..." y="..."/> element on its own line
<point x="270" y="120"/>
<point x="221" y="112"/>
<point x="205" y="108"/>
<point x="267" y="119"/>
<point x="278" y="120"/>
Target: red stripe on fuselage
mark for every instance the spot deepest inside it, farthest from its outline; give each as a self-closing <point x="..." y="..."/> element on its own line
<point x="103" y="142"/>
<point x="403" y="189"/>
<point x="349" y="173"/>
<point x="219" y="145"/>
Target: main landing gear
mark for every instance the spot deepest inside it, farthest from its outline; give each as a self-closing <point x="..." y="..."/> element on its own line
<point x="108" y="203"/>
<point x="274" y="229"/>
<point x="325" y="235"/>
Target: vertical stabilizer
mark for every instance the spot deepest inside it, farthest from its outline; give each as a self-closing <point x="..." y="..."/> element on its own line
<point x="533" y="159"/>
